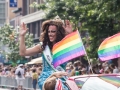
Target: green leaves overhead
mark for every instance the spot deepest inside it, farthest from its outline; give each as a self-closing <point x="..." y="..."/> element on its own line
<point x="100" y="18"/>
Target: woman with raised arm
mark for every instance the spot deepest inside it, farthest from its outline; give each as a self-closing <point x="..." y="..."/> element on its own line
<point x="53" y="31"/>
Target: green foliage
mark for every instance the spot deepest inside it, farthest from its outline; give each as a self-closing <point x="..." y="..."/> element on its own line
<point x="10" y="38"/>
<point x="100" y="18"/>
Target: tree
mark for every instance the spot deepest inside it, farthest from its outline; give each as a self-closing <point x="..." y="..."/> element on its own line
<point x="100" y="18"/>
<point x="10" y="39"/>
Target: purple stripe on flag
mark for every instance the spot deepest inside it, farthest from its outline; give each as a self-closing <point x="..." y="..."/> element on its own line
<point x="109" y="57"/>
<point x="69" y="58"/>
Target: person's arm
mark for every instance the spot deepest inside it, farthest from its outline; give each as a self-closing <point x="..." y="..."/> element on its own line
<point x="30" y="51"/>
<point x="22" y="48"/>
<point x="58" y="74"/>
<point x="72" y="73"/>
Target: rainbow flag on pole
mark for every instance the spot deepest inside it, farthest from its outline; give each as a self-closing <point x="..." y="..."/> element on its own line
<point x="110" y="48"/>
<point x="68" y="48"/>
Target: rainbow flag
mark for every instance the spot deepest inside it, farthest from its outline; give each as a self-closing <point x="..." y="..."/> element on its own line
<point x="110" y="48"/>
<point x="79" y="83"/>
<point x="112" y="80"/>
<point x="68" y="48"/>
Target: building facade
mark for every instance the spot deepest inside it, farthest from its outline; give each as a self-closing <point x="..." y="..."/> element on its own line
<point x="7" y="13"/>
<point x="33" y="18"/>
<point x="3" y="12"/>
<point x="14" y="13"/>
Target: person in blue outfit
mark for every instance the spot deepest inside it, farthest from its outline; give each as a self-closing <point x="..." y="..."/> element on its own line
<point x="53" y="31"/>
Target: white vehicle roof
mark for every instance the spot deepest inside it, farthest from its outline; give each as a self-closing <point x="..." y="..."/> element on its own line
<point x="96" y="82"/>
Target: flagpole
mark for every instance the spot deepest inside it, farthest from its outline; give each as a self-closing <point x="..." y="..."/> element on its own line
<point x="86" y="54"/>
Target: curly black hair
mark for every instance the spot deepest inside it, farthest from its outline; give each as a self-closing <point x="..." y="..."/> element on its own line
<point x="44" y="37"/>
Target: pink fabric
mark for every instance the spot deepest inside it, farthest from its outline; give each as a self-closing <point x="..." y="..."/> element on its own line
<point x="58" y="85"/>
<point x="72" y="85"/>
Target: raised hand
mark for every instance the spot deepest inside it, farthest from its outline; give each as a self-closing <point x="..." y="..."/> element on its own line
<point x="68" y="27"/>
<point x="23" y="29"/>
<point x="59" y="74"/>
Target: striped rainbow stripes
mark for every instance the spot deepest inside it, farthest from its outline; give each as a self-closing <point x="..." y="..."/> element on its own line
<point x="79" y="83"/>
<point x="112" y="80"/>
<point x="110" y="48"/>
<point x="68" y="48"/>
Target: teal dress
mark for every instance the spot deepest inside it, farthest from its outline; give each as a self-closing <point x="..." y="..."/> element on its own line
<point x="46" y="72"/>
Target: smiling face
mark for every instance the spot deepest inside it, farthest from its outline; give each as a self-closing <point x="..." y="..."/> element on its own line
<point x="52" y="31"/>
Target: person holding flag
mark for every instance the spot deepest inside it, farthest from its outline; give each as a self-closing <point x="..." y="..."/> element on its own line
<point x="53" y="31"/>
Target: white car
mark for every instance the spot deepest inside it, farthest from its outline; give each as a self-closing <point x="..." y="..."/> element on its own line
<point x="95" y="82"/>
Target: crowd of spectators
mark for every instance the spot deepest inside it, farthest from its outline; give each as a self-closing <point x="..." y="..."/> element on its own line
<point x="76" y="68"/>
<point x="73" y="69"/>
<point x="20" y="72"/>
<point x="79" y="68"/>
<point x="9" y="70"/>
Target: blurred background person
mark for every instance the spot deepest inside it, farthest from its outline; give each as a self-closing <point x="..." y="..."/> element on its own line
<point x="20" y="76"/>
<point x="34" y="78"/>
